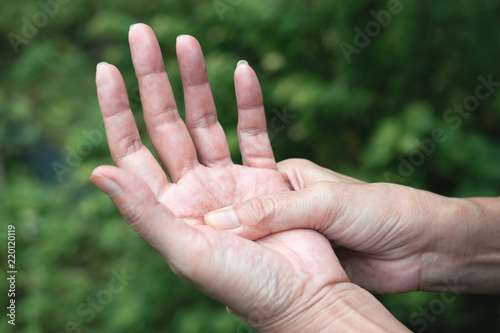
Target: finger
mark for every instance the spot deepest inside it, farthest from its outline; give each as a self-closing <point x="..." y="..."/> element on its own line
<point x="315" y="207"/>
<point x="152" y="220"/>
<point x="168" y="133"/>
<point x="301" y="173"/>
<point x="124" y="140"/>
<point x="254" y="142"/>
<point x="198" y="255"/>
<point x="201" y="116"/>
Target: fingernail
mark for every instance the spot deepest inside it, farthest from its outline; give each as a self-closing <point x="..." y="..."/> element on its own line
<point x="177" y="39"/>
<point x="224" y="219"/>
<point x="101" y="63"/>
<point x="106" y="185"/>
<point x="242" y="62"/>
<point x="131" y="26"/>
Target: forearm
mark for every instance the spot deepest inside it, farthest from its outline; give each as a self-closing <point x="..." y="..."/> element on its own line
<point x="466" y="255"/>
<point x="345" y="308"/>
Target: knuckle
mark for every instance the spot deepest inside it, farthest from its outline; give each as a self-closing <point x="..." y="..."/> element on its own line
<point x="294" y="162"/>
<point x="128" y="145"/>
<point x="262" y="209"/>
<point x="330" y="200"/>
<point x="135" y="218"/>
<point x="325" y="186"/>
<point x="253" y="131"/>
<point x="205" y="121"/>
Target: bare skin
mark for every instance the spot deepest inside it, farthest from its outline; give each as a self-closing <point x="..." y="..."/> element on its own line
<point x="290" y="281"/>
<point x="393" y="238"/>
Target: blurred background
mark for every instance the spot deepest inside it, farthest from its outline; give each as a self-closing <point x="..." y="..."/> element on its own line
<point x="382" y="91"/>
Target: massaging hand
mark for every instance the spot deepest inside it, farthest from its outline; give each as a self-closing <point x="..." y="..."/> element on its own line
<point x="286" y="282"/>
<point x="392" y="238"/>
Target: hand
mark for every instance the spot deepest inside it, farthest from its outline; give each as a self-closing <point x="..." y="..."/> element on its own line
<point x="283" y="282"/>
<point x="392" y="238"/>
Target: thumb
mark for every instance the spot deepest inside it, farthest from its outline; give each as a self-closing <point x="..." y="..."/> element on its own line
<point x="139" y="206"/>
<point x="311" y="208"/>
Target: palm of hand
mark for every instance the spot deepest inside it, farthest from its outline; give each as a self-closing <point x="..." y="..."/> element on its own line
<point x="272" y="271"/>
<point x="204" y="189"/>
<point x="264" y="276"/>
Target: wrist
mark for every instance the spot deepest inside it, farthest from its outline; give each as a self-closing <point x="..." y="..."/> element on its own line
<point x="344" y="307"/>
<point x="464" y="255"/>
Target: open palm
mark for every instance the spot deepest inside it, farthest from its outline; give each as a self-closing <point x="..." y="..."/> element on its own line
<point x="261" y="281"/>
<point x="196" y="154"/>
<point x="204" y="188"/>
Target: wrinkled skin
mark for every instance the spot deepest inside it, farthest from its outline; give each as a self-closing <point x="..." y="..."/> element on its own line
<point x="391" y="238"/>
<point x="206" y="188"/>
<point x="271" y="283"/>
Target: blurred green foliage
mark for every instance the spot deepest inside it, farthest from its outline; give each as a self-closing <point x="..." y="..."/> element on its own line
<point x="361" y="118"/>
